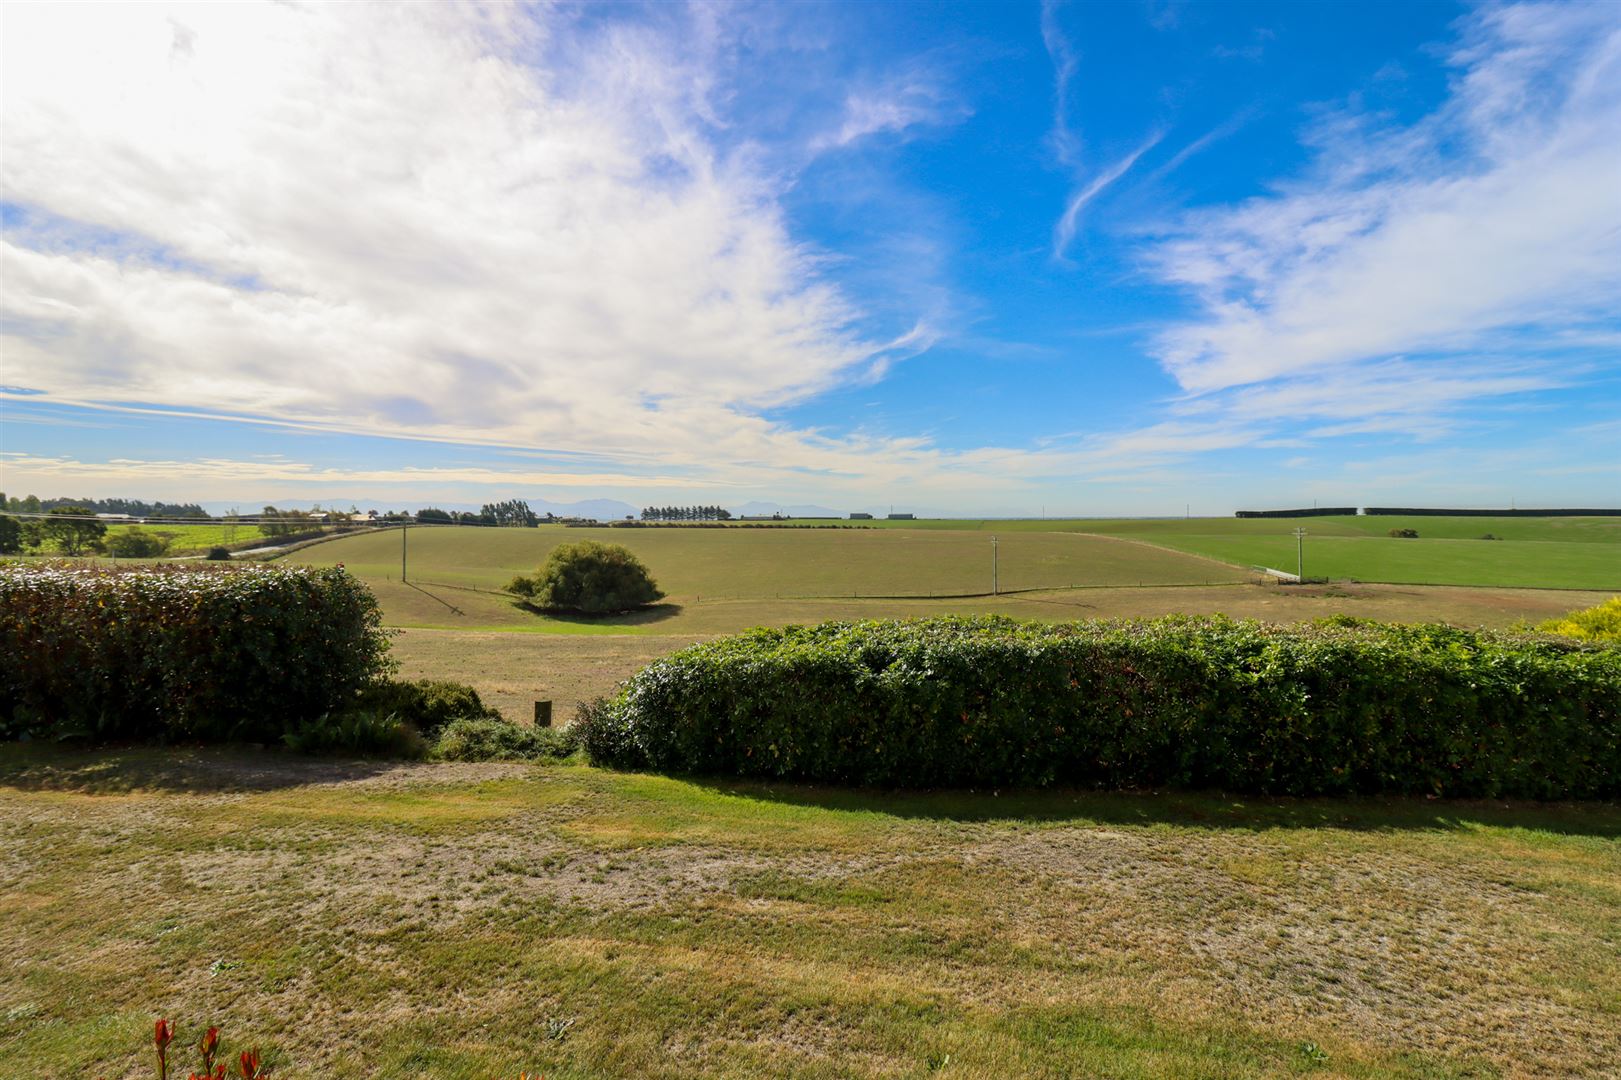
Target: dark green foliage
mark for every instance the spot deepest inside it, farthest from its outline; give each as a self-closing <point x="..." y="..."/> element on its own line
<point x="169" y="652"/>
<point x="604" y="731"/>
<point x="133" y="507"/>
<point x="509" y="512"/>
<point x="365" y="732"/>
<point x="588" y="577"/>
<point x="135" y="543"/>
<point x="427" y="704"/>
<point x="219" y="554"/>
<point x="1340" y="707"/>
<point x="1404" y="534"/>
<point x="72" y="529"/>
<point x="11" y="535"/>
<point x="494" y="739"/>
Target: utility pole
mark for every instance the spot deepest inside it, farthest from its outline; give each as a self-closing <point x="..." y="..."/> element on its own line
<point x="1300" y="555"/>
<point x="403" y="526"/>
<point x="996" y="586"/>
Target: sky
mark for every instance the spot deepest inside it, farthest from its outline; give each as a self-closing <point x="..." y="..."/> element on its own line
<point x="1148" y="257"/>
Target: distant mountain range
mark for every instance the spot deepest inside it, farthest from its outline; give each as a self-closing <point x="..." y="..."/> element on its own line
<point x="766" y="509"/>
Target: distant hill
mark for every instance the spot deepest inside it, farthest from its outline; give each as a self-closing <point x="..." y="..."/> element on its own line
<point x="765" y="509"/>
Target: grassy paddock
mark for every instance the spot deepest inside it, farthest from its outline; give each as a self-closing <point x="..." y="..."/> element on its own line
<point x="470" y="921"/>
<point x="184" y="538"/>
<point x="767" y="563"/>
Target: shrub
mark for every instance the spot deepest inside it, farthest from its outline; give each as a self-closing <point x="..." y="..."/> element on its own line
<point x="1600" y="623"/>
<point x="219" y="554"/>
<point x="135" y="543"/>
<point x="494" y="739"/>
<point x="427" y="704"/>
<point x="588" y="577"/>
<point x="181" y="651"/>
<point x="1404" y="534"/>
<point x="603" y="731"/>
<point x="1339" y="707"/>
<point x="365" y="732"/>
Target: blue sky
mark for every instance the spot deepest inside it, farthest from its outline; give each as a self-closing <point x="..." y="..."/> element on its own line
<point x="978" y="259"/>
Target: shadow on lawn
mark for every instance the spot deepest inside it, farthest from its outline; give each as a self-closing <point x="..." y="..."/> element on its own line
<point x="643" y="616"/>
<point x="117" y="770"/>
<point x="1191" y="809"/>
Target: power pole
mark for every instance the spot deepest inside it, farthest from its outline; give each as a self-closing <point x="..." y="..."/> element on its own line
<point x="1300" y="555"/>
<point x="996" y="585"/>
<point x="403" y="526"/>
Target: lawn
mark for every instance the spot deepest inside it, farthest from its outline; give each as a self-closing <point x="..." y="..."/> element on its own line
<point x="472" y="921"/>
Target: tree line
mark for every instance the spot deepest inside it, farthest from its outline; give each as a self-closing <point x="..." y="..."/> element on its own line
<point x="686" y="513"/>
<point x="33" y="504"/>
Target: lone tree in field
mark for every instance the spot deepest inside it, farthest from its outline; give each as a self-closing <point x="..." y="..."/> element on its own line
<point x="588" y="577"/>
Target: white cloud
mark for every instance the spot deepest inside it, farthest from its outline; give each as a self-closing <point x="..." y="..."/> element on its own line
<point x="1494" y="224"/>
<point x="911" y="102"/>
<point x="1069" y="221"/>
<point x="395" y="220"/>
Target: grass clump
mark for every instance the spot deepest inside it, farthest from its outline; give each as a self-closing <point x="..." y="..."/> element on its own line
<point x="1339" y="707"/>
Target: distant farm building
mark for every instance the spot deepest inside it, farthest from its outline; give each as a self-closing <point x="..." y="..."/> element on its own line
<point x="901" y="517"/>
<point x="860" y="517"/>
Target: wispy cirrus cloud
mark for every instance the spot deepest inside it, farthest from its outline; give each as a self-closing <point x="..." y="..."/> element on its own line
<point x="1066" y="140"/>
<point x="1492" y="226"/>
<point x="1069" y="221"/>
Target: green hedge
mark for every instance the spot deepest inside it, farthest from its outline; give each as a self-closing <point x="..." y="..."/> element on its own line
<point x="181" y="652"/>
<point x="1333" y="708"/>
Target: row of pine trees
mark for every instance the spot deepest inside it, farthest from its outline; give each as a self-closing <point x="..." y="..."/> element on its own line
<point x="686" y="513"/>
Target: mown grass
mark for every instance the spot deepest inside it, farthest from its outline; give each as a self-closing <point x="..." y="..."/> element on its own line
<point x="470" y="921"/>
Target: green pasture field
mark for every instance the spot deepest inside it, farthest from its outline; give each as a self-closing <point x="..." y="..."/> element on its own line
<point x="692" y="564"/>
<point x="195" y="537"/>
<point x="1540" y="553"/>
<point x="455" y="574"/>
<point x="465" y="922"/>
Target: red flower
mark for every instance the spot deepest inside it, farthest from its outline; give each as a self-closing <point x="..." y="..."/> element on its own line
<point x="209" y="1044"/>
<point x="248" y="1063"/>
<point x="162" y="1036"/>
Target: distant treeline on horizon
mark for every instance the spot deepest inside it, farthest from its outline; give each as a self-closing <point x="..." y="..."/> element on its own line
<point x="33" y="504"/>
<point x="1414" y="511"/>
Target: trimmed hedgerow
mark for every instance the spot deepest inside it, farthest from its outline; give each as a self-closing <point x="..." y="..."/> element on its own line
<point x="205" y="652"/>
<point x="1337" y="707"/>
